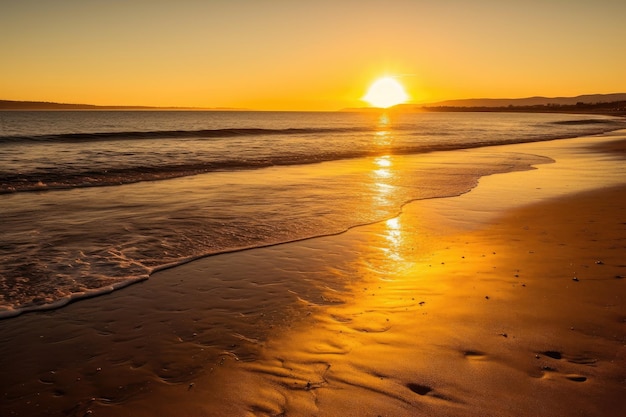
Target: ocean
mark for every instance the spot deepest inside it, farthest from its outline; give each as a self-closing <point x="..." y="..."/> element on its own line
<point x="91" y="201"/>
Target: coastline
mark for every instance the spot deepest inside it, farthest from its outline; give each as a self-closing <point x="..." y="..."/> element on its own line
<point x="414" y="287"/>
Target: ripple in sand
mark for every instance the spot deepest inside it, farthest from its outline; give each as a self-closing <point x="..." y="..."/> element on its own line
<point x="330" y="348"/>
<point x="341" y="319"/>
<point x="178" y="374"/>
<point x="583" y="360"/>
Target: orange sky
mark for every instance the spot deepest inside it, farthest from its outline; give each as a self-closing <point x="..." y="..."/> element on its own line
<point x="297" y="55"/>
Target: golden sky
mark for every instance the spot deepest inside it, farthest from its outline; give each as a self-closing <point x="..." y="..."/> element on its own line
<point x="306" y="55"/>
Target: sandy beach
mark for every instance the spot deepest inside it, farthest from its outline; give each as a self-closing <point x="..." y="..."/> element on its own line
<point x="505" y="301"/>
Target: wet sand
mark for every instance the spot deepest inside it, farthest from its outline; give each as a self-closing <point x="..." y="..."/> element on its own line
<point x="506" y="301"/>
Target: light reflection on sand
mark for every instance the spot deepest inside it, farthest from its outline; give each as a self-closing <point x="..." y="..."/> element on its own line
<point x="393" y="236"/>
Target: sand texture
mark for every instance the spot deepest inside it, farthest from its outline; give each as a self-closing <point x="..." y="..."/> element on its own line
<point x="506" y="301"/>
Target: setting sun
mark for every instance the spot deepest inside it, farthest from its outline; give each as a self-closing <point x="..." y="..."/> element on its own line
<point x="386" y="92"/>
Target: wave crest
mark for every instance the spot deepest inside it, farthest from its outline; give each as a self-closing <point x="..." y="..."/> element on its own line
<point x="173" y="134"/>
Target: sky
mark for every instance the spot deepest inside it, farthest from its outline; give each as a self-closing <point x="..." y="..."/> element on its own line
<point x="306" y="55"/>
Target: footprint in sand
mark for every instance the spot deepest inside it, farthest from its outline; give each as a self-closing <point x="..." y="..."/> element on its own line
<point x="552" y="354"/>
<point x="576" y="378"/>
<point x="418" y="388"/>
<point x="579" y="360"/>
<point x="474" y="355"/>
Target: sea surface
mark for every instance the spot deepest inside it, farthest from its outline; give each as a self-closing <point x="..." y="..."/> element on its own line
<point x="91" y="201"/>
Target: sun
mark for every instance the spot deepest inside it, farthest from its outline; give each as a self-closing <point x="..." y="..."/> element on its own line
<point x="386" y="92"/>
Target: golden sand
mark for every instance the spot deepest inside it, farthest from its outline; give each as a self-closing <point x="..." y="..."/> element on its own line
<point x="506" y="301"/>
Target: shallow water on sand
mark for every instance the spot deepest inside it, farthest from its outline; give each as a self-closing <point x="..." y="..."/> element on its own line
<point x="96" y="200"/>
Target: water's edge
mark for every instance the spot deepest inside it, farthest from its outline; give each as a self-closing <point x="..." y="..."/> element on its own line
<point x="96" y="292"/>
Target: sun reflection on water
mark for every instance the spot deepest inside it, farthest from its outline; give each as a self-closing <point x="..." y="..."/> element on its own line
<point x="383" y="120"/>
<point x="393" y="236"/>
<point x="383" y="172"/>
<point x="382" y="188"/>
<point x="383" y="136"/>
<point x="383" y="161"/>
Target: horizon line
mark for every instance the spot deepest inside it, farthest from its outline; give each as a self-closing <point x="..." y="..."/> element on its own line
<point x="22" y="104"/>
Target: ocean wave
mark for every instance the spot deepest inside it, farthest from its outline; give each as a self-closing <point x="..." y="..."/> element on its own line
<point x="174" y="134"/>
<point x="579" y="122"/>
<point x="72" y="177"/>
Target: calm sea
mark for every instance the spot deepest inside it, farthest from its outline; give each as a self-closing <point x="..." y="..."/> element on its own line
<point x="92" y="201"/>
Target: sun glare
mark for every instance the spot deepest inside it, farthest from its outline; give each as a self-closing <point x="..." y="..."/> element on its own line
<point x="386" y="92"/>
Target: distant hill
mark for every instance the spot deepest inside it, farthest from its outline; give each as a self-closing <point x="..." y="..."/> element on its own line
<point x="46" y="105"/>
<point x="529" y="101"/>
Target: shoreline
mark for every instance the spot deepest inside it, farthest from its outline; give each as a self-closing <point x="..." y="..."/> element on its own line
<point x="92" y="293"/>
<point x="452" y="286"/>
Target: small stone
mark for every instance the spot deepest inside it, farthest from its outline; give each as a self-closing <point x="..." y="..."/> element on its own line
<point x="575" y="279"/>
<point x="599" y="263"/>
<point x="486" y="297"/>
